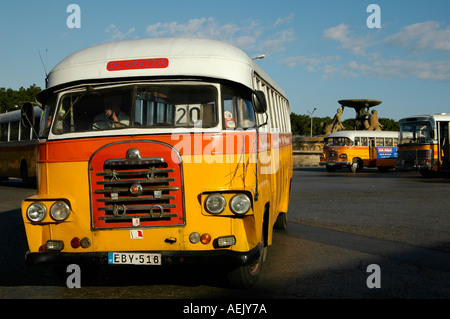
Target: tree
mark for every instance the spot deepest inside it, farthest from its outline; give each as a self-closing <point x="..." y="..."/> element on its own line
<point x="301" y="124"/>
<point x="9" y="98"/>
<point x="389" y="124"/>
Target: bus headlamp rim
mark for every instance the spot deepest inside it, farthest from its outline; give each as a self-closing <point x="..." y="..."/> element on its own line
<point x="60" y="211"/>
<point x="36" y="212"/>
<point x="217" y="200"/>
<point x="237" y="200"/>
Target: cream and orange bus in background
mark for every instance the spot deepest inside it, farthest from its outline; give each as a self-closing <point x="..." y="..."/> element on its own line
<point x="424" y="144"/>
<point x="158" y="152"/>
<point x="359" y="149"/>
<point x="18" y="144"/>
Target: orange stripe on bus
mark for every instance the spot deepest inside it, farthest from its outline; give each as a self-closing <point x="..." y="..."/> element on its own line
<point x="75" y="150"/>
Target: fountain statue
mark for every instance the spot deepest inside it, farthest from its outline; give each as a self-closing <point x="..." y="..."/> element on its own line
<point x="364" y="120"/>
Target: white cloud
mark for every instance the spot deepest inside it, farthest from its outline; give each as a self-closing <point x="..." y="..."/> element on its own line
<point x="311" y="61"/>
<point x="342" y="34"/>
<point x="249" y="35"/>
<point x="116" y="34"/>
<point x="418" y="68"/>
<point x="281" y="21"/>
<point x="422" y="37"/>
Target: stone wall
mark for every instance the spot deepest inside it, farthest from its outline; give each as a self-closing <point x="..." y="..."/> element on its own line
<point x="307" y="150"/>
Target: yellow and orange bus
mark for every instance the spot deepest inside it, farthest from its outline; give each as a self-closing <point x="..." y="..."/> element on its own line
<point x="18" y="145"/>
<point x="424" y="144"/>
<point x="359" y="149"/>
<point x="158" y="152"/>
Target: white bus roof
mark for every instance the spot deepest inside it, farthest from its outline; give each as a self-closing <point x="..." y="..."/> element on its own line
<point x="427" y="117"/>
<point x="353" y="134"/>
<point x="158" y="57"/>
<point x="16" y="115"/>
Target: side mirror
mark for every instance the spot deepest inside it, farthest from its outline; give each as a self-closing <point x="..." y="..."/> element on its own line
<point x="259" y="102"/>
<point x="27" y="115"/>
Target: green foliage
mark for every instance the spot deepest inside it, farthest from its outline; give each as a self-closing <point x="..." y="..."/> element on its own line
<point x="9" y="98"/>
<point x="301" y="124"/>
<point x="389" y="124"/>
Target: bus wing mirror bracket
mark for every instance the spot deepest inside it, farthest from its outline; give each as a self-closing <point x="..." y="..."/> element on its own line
<point x="28" y="115"/>
<point x="259" y="102"/>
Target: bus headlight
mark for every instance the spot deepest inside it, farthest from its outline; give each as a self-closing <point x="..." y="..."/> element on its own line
<point x="36" y="212"/>
<point x="60" y="211"/>
<point x="215" y="203"/>
<point x="240" y="204"/>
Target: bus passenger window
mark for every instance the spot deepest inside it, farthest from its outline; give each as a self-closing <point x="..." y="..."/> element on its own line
<point x="238" y="109"/>
<point x="4" y="132"/>
<point x="24" y="133"/>
<point x="364" y="141"/>
<point x="379" y="141"/>
<point x="388" y="142"/>
<point x="14" y="131"/>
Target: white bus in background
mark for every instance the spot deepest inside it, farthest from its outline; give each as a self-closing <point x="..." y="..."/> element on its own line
<point x="18" y="146"/>
<point x="424" y="144"/>
<point x="358" y="149"/>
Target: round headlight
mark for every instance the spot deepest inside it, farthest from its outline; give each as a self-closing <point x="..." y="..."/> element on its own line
<point x="215" y="203"/>
<point x="59" y="211"/>
<point x="240" y="204"/>
<point x="36" y="212"/>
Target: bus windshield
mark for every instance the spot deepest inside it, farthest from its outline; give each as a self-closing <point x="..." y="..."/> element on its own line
<point x="338" y="141"/>
<point x="415" y="132"/>
<point x="137" y="106"/>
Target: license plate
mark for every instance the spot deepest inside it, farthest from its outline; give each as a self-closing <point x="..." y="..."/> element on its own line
<point x="134" y="259"/>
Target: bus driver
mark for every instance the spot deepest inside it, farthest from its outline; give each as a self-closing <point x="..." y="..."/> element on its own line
<point x="112" y="117"/>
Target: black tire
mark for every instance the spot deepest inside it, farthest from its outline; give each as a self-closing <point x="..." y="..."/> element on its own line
<point x="356" y="166"/>
<point x="24" y="173"/>
<point x="281" y="222"/>
<point x="246" y="276"/>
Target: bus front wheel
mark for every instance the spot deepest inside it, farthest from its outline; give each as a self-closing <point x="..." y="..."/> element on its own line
<point x="246" y="276"/>
<point x="356" y="166"/>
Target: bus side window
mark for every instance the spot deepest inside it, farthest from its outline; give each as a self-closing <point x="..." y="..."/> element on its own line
<point x="357" y="142"/>
<point x="237" y="109"/>
<point x="388" y="142"/>
<point x="379" y="141"/>
<point x="24" y="133"/>
<point x="364" y="141"/>
<point x="14" y="131"/>
<point x="4" y="132"/>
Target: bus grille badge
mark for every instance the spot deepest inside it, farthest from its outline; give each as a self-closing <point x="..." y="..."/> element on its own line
<point x="136" y="234"/>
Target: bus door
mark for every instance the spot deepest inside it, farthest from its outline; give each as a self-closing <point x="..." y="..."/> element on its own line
<point x="372" y="151"/>
<point x="444" y="148"/>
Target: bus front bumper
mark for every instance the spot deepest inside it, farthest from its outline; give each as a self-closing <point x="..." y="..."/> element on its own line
<point x="223" y="257"/>
<point x="336" y="164"/>
<point x="416" y="165"/>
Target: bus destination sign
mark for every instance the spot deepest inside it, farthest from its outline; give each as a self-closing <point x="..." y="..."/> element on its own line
<point x="160" y="63"/>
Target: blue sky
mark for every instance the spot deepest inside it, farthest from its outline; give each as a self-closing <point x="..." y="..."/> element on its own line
<point x="319" y="51"/>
